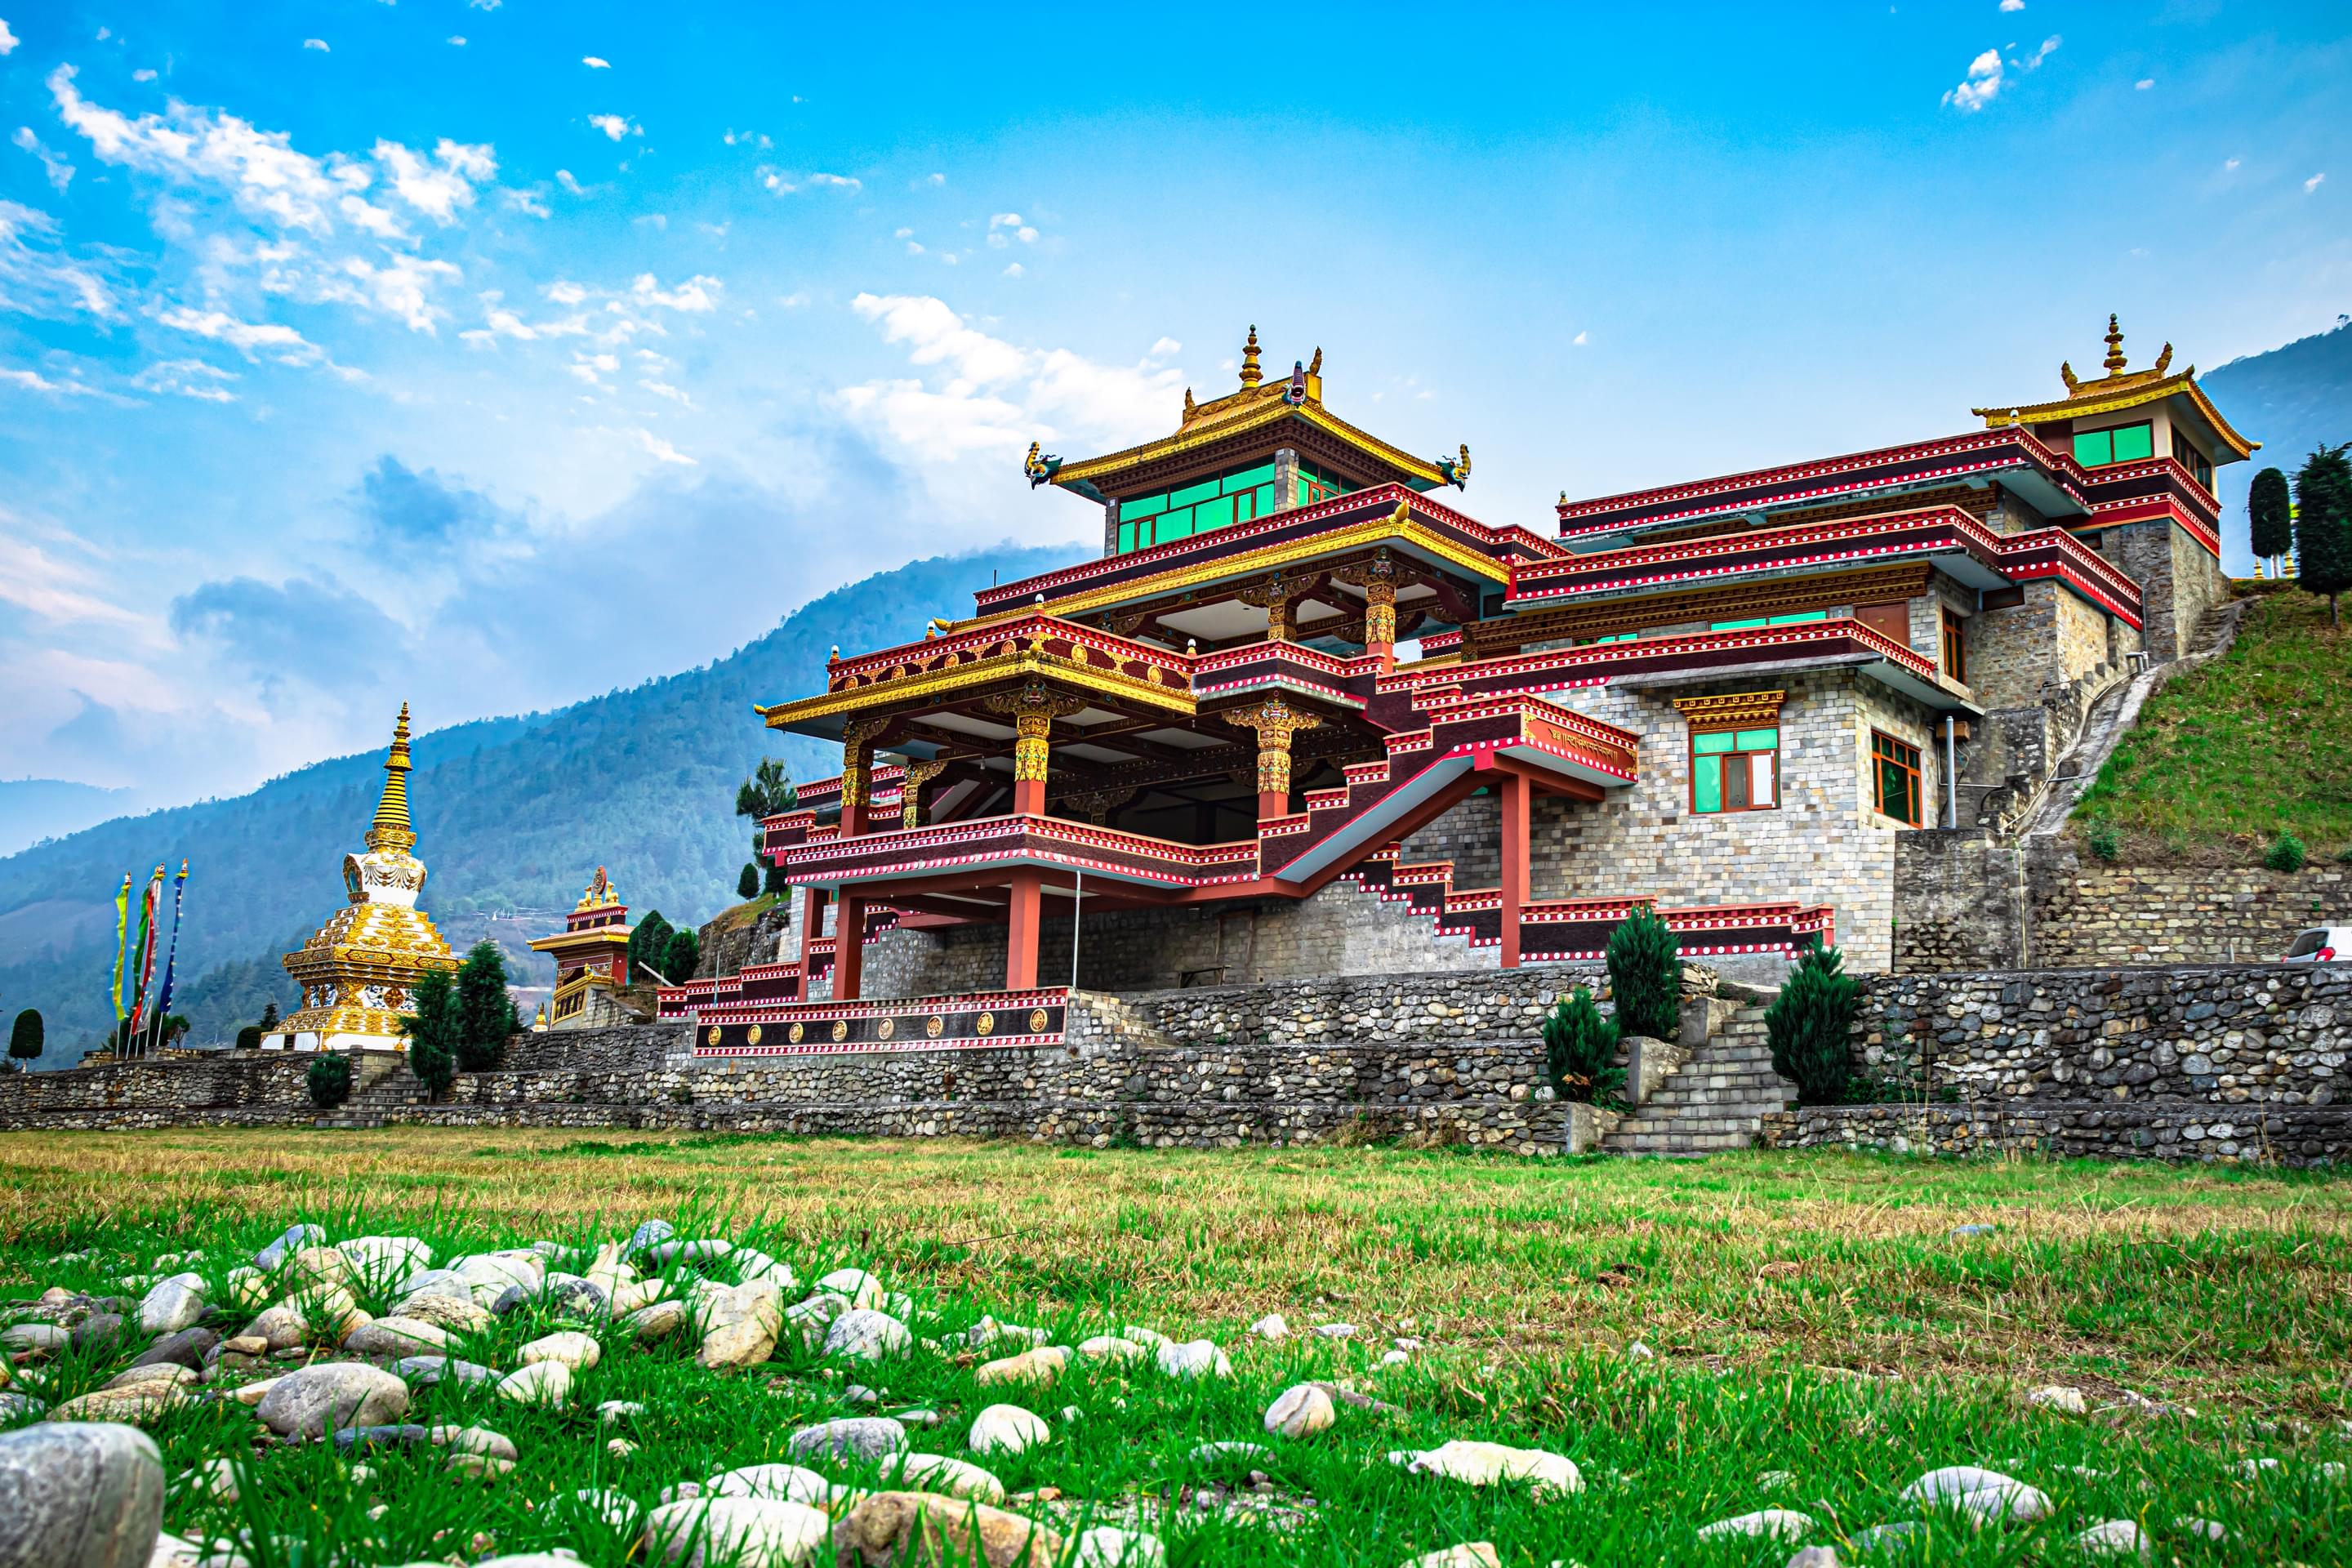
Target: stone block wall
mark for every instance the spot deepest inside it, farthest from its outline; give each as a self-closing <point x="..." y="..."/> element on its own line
<point x="2272" y="1034"/>
<point x="2178" y="578"/>
<point x="242" y="1080"/>
<point x="1959" y="900"/>
<point x="2292" y="1135"/>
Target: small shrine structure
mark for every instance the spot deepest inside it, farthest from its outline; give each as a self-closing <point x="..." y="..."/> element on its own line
<point x="591" y="959"/>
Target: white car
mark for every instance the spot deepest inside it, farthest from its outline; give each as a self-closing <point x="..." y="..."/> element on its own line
<point x="2321" y="945"/>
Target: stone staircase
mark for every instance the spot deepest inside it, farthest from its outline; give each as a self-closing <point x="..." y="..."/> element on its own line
<point x="1715" y="1099"/>
<point x="382" y="1086"/>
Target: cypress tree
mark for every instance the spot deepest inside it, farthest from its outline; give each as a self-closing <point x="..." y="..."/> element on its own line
<point x="485" y="1013"/>
<point x="648" y="944"/>
<point x="2269" y="516"/>
<point x="434" y="1031"/>
<point x="776" y="884"/>
<point x="1578" y="1046"/>
<point x="25" y="1035"/>
<point x="679" y="957"/>
<point x="2323" y="525"/>
<point x="1809" y="1025"/>
<point x="747" y="886"/>
<point x="1645" y="975"/>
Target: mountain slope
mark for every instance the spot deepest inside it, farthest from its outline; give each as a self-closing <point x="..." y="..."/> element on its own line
<point x="35" y="809"/>
<point x="2290" y="399"/>
<point x="509" y="813"/>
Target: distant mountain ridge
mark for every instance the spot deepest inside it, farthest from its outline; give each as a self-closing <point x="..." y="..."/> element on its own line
<point x="35" y="809"/>
<point x="2291" y="399"/>
<point x="512" y="811"/>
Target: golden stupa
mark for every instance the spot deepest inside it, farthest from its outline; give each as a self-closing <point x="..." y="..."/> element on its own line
<point x="357" y="972"/>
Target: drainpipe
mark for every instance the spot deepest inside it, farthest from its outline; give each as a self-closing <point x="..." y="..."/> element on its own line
<point x="1951" y="777"/>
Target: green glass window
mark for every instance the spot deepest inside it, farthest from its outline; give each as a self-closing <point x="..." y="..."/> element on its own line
<point x="1770" y="621"/>
<point x="1249" y="478"/>
<point x="1800" y="620"/>
<point x="1126" y="537"/>
<point x="1191" y="493"/>
<point x="2125" y="444"/>
<point x="1736" y="770"/>
<point x="1174" y="525"/>
<point x="1897" y="767"/>
<point x="1737" y="625"/>
<point x="1141" y="506"/>
<point x="1213" y="513"/>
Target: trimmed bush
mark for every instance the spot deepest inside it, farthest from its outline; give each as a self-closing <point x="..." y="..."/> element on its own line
<point x="2286" y="853"/>
<point x="328" y="1079"/>
<point x="1578" y="1046"/>
<point x="25" y="1035"/>
<point x="1809" y="1027"/>
<point x="1645" y="975"/>
<point x="2104" y="839"/>
<point x="747" y="886"/>
<point x="249" y="1038"/>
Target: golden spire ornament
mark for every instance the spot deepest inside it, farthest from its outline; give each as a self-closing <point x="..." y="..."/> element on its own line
<point x="2114" y="360"/>
<point x="390" y="829"/>
<point x="1251" y="375"/>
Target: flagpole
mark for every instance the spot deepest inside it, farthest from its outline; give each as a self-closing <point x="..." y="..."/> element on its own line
<point x="171" y="952"/>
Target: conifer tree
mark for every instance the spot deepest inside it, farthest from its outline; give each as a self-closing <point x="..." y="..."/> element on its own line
<point x="1645" y="975"/>
<point x="25" y="1035"/>
<point x="328" y="1080"/>
<point x="2323" y="526"/>
<point x="1809" y="1025"/>
<point x="1578" y="1046"/>
<point x="747" y="886"/>
<point x="2269" y="516"/>
<point x="485" y="1013"/>
<point x="681" y="955"/>
<point x="648" y="945"/>
<point x="434" y="1031"/>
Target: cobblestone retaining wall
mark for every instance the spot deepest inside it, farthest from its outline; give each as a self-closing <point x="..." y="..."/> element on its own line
<point x="2289" y="1135"/>
<point x="2272" y="1033"/>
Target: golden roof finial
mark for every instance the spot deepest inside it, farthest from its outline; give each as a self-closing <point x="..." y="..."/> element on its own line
<point x="1251" y="375"/>
<point x="2115" y="360"/>
<point x="1315" y="366"/>
<point x="390" y="829"/>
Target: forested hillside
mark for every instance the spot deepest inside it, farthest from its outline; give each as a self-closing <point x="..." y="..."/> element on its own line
<point x="507" y="812"/>
<point x="2290" y="399"/>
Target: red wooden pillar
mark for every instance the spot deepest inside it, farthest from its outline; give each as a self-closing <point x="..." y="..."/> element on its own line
<point x="812" y="924"/>
<point x="1021" y="931"/>
<point x="848" y="948"/>
<point x="1513" y="792"/>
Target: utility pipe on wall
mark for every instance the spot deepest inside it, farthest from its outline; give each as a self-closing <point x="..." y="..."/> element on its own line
<point x="1951" y="775"/>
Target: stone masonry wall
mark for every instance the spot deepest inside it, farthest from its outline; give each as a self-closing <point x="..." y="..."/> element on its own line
<point x="1959" y="901"/>
<point x="2272" y="1033"/>
<point x="2294" y="1135"/>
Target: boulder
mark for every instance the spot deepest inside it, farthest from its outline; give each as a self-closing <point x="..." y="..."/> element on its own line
<point x="314" y="1400"/>
<point x="392" y="1338"/>
<point x="541" y="1382"/>
<point x="1040" y="1366"/>
<point x="790" y="1483"/>
<point x="1198" y="1359"/>
<point x="140" y="1405"/>
<point x="1785" y="1523"/>
<point x="1108" y="1546"/>
<point x="1108" y="1347"/>
<point x="386" y="1256"/>
<point x="651" y="1324"/>
<point x="479" y="1440"/>
<point x="943" y="1473"/>
<point x="916" y="1530"/>
<point x="187" y="1348"/>
<point x="170" y="1305"/>
<point x="1483" y="1464"/>
<point x="167" y="1374"/>
<point x="740" y="1325"/>
<point x="1985" y="1496"/>
<point x="862" y="1437"/>
<point x="867" y="1335"/>
<point x="1301" y="1410"/>
<point x="859" y="1287"/>
<point x="653" y="1233"/>
<point x="457" y="1313"/>
<point x="423" y="1370"/>
<point x="289" y="1241"/>
<point x="1007" y="1429"/>
<point x="574" y="1349"/>
<point x="363" y="1439"/>
<point x="88" y="1495"/>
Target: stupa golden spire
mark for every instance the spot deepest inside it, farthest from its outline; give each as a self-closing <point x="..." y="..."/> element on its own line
<point x="359" y="971"/>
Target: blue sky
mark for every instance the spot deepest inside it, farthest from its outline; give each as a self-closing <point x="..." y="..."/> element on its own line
<point x="490" y="354"/>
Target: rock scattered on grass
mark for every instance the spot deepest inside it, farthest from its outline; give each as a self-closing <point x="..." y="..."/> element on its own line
<point x="1985" y="1496"/>
<point x="943" y="1473"/>
<point x="1468" y="1554"/>
<point x="918" y="1531"/>
<point x="172" y="1304"/>
<point x="572" y="1348"/>
<point x="745" y="1531"/>
<point x="289" y="1241"/>
<point x="739" y="1324"/>
<point x="1108" y="1546"/>
<point x="1111" y="1348"/>
<point x="316" y="1401"/>
<point x="85" y="1496"/>
<point x="1301" y="1410"/>
<point x="864" y="1334"/>
<point x="1271" y="1327"/>
<point x="2115" y="1538"/>
<point x="1007" y="1429"/>
<point x="1786" y="1523"/>
<point x="1199" y="1358"/>
<point x="787" y="1483"/>
<point x="1040" y="1366"/>
<point x="2059" y="1397"/>
<point x="541" y="1382"/>
<point x="1483" y="1464"/>
<point x="866" y="1438"/>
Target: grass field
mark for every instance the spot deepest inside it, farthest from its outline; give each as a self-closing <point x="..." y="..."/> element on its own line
<point x="1816" y="1316"/>
<point x="2224" y="757"/>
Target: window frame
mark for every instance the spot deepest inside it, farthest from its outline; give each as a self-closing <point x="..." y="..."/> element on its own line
<point x="1717" y="759"/>
<point x="1914" y="768"/>
<point x="1954" y="645"/>
<point x="2075" y="445"/>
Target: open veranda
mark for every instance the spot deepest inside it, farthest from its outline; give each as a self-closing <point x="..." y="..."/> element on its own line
<point x="1701" y="1342"/>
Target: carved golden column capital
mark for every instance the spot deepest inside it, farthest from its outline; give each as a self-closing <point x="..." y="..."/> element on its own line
<point x="857" y="737"/>
<point x="910" y="790"/>
<point x="1276" y="722"/>
<point x="1032" y="711"/>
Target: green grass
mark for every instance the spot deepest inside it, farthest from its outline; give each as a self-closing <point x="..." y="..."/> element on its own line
<point x="2260" y="740"/>
<point x="1810" y="1314"/>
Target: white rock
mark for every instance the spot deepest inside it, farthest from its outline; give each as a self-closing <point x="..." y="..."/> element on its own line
<point x="2059" y="1397"/>
<point x="247" y="1289"/>
<point x="1637" y="1351"/>
<point x="540" y="1383"/>
<point x="942" y="1473"/>
<point x="1007" y="1429"/>
<point x="574" y="1349"/>
<point x="861" y="1288"/>
<point x="2211" y="1528"/>
<point x="216" y="1478"/>
<point x="1984" y="1494"/>
<point x="170" y="1305"/>
<point x="867" y="1335"/>
<point x="1469" y="1554"/>
<point x="394" y="1256"/>
<point x="1199" y="1358"/>
<point x="790" y="1483"/>
<point x="746" y="1532"/>
<point x="1814" y="1557"/>
<point x="1335" y="1330"/>
<point x="612" y="1412"/>
<point x="2115" y="1537"/>
<point x="615" y="1511"/>
<point x="1040" y="1366"/>
<point x="1106" y="1546"/>
<point x="1483" y="1464"/>
<point x="1108" y="1347"/>
<point x="1226" y="1449"/>
<point x="988" y="1332"/>
<point x="620" y="1448"/>
<point x="2252" y="1469"/>
<point x="1394" y="1358"/>
<point x="1147" y="1338"/>
<point x="1786" y="1523"/>
<point x="1271" y="1327"/>
<point x="1301" y="1410"/>
<point x="752" y="1264"/>
<point x="294" y="1239"/>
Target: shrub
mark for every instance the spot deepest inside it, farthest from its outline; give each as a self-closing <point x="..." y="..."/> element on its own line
<point x="1645" y="975"/>
<point x="1578" y="1046"/>
<point x="747" y="886"/>
<point x="2285" y="854"/>
<point x="775" y="882"/>
<point x="434" y="1031"/>
<point x="25" y="1035"/>
<point x="1809" y="1025"/>
<point x="2344" y="855"/>
<point x="679" y="955"/>
<point x="328" y="1079"/>
<point x="2104" y="839"/>
<point x="249" y="1038"/>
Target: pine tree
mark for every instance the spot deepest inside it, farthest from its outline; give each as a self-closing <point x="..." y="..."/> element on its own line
<point x="747" y="886"/>
<point x="269" y="1016"/>
<point x="249" y="1038"/>
<point x="776" y="887"/>
<point x="1645" y="975"/>
<point x="1810" y="1024"/>
<point x="434" y="1031"/>
<point x="2323" y="525"/>
<point x="25" y="1035"/>
<point x="485" y="1013"/>
<point x="1578" y="1046"/>
<point x="328" y="1079"/>
<point x="648" y="944"/>
<point x="2269" y="516"/>
<point x="763" y="795"/>
<point x="679" y="957"/>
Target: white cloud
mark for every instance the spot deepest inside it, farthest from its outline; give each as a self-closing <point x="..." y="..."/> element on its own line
<point x="36" y="278"/>
<point x="1005" y="220"/>
<point x="747" y="138"/>
<point x="1981" y="86"/>
<point x="565" y="293"/>
<point x="564" y="177"/>
<point x="1582" y="340"/>
<point x="693" y="296"/>
<point x="187" y="378"/>
<point x="318" y="44"/>
<point x="934" y="179"/>
<point x="7" y="38"/>
<point x="2313" y="183"/>
<point x="439" y="186"/>
<point x="2143" y="84"/>
<point x="663" y="389"/>
<point x="2230" y="165"/>
<point x="143" y="74"/>
<point x="786" y="184"/>
<point x="914" y="247"/>
<point x="485" y="5"/>
<point x="2033" y="61"/>
<point x="2012" y="5"/>
<point x="34" y="381"/>
<point x="1163" y="347"/>
<point x="61" y="173"/>
<point x="457" y="39"/>
<point x="594" y="64"/>
<point x="616" y="126"/>
<point x="794" y="301"/>
<point x="282" y="343"/>
<point x="531" y="202"/>
<point x="1016" y="269"/>
<point x="660" y="448"/>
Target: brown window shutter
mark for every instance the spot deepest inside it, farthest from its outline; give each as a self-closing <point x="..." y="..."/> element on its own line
<point x="1889" y="620"/>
